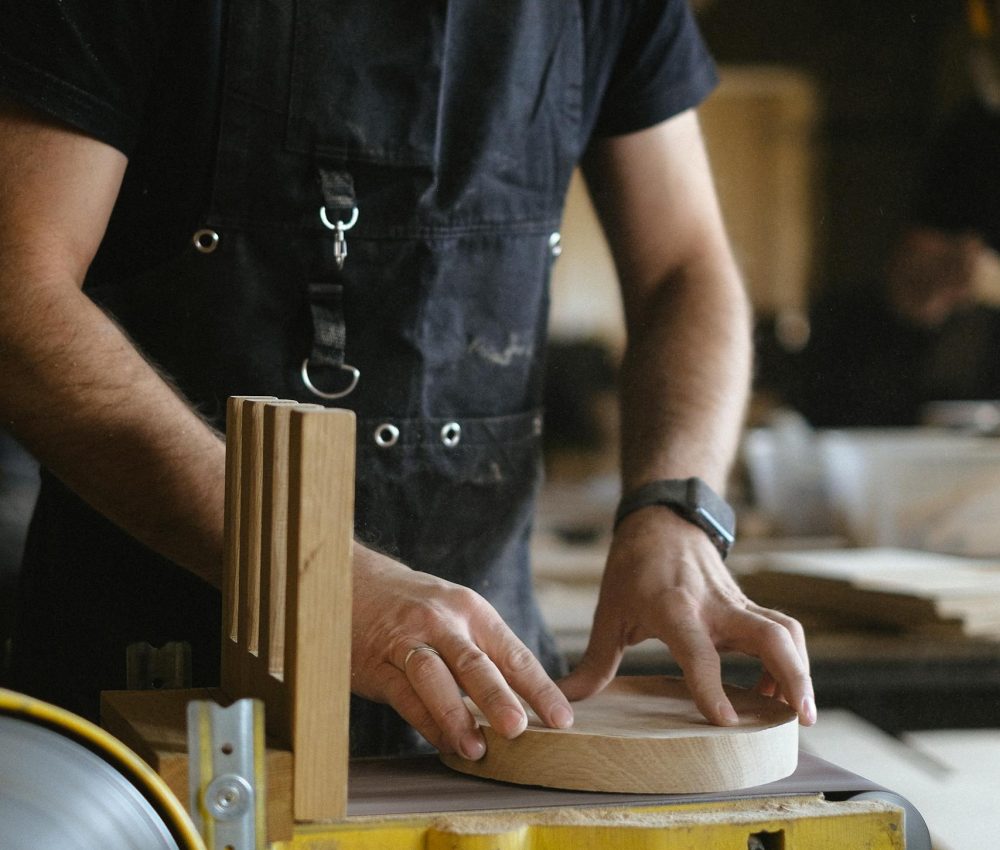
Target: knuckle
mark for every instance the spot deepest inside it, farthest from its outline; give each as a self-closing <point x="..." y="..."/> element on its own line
<point x="519" y="660"/>
<point x="421" y="666"/>
<point x="467" y="601"/>
<point x="468" y="661"/>
<point x="397" y="643"/>
<point x="454" y="717"/>
<point x="490" y="697"/>
<point x="768" y="631"/>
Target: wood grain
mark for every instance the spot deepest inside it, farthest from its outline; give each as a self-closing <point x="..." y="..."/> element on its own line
<point x="643" y="734"/>
<point x="318" y="606"/>
<point x="231" y="668"/>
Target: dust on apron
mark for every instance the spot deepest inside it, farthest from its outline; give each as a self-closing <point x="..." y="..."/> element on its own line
<point x="451" y="129"/>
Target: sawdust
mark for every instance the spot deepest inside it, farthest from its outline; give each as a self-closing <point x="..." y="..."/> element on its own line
<point x="742" y="811"/>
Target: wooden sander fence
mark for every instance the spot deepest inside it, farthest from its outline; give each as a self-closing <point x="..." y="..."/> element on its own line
<point x="287" y="585"/>
<point x="286" y="610"/>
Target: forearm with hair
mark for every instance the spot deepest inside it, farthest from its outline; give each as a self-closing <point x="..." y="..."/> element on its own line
<point x="684" y="379"/>
<point x="77" y="393"/>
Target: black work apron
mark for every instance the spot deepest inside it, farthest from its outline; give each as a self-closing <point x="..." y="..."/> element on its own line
<point x="453" y="129"/>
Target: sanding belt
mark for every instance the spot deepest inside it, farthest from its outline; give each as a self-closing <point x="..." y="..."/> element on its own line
<point x="422" y="785"/>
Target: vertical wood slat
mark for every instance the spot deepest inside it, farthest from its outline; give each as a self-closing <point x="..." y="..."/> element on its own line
<point x="232" y="669"/>
<point x="251" y="466"/>
<point x="274" y="534"/>
<point x="274" y="539"/>
<point x="318" y="607"/>
<point x="254" y="607"/>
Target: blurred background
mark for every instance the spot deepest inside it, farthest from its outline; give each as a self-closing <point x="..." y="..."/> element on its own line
<point x="856" y="150"/>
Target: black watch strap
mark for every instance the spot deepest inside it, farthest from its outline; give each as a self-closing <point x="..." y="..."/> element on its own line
<point x="690" y="498"/>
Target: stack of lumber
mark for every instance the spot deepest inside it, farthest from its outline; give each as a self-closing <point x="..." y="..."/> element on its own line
<point x="894" y="589"/>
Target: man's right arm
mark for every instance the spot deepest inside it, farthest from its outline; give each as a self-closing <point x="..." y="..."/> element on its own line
<point x="73" y="388"/>
<point x="80" y="396"/>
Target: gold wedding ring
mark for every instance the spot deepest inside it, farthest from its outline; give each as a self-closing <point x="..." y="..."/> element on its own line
<point x="421" y="648"/>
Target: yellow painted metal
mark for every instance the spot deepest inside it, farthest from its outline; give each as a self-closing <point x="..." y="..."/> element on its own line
<point x="113" y="751"/>
<point x="794" y="823"/>
<point x="803" y="823"/>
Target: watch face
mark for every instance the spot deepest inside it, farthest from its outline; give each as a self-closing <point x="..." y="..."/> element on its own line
<point x="713" y="513"/>
<point x="716" y="526"/>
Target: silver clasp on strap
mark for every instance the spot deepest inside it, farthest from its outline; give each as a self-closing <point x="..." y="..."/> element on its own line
<point x="340" y="227"/>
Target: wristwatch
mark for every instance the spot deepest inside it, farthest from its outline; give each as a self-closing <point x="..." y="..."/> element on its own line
<point x="690" y="498"/>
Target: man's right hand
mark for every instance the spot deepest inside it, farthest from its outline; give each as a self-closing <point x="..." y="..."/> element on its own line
<point x="400" y="614"/>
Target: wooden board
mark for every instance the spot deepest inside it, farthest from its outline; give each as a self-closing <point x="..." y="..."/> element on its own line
<point x="907" y="590"/>
<point x="643" y="734"/>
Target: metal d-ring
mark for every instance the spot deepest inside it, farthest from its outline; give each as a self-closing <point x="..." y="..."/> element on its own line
<point x="339" y="225"/>
<point x="316" y="391"/>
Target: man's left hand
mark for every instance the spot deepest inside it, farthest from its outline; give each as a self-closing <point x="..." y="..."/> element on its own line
<point x="664" y="579"/>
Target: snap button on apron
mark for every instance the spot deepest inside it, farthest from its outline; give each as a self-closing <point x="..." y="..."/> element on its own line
<point x="555" y="243"/>
<point x="205" y="240"/>
<point x="386" y="435"/>
<point x="451" y="433"/>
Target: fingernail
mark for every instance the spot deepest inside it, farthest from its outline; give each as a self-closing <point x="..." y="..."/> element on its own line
<point x="473" y="746"/>
<point x="562" y="717"/>
<point x="728" y="713"/>
<point x="513" y="721"/>
<point x="808" y="711"/>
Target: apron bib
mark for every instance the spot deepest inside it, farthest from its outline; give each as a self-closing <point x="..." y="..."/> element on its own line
<point x="451" y="129"/>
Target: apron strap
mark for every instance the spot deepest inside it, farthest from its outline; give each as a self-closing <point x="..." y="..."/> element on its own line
<point x="339" y="213"/>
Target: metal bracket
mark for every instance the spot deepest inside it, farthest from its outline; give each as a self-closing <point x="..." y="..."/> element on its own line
<point x="226" y="773"/>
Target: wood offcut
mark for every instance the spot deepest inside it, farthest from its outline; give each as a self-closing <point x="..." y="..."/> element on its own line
<point x="644" y="734"/>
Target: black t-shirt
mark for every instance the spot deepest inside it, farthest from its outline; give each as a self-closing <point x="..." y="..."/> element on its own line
<point x="113" y="73"/>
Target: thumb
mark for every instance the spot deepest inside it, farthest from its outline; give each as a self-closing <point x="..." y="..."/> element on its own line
<point x="595" y="670"/>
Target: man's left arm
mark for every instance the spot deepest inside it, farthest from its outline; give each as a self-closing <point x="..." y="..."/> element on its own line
<point x="684" y="383"/>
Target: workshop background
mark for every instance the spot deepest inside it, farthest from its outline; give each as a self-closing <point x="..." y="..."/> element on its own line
<point x="883" y="540"/>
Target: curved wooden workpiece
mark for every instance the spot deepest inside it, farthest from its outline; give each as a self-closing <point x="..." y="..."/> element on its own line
<point x="643" y="734"/>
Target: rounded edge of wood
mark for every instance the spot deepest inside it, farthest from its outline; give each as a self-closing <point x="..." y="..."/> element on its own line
<point x="714" y="759"/>
<point x="636" y="766"/>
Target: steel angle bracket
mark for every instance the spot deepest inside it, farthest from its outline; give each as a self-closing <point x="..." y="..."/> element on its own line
<point x="226" y="773"/>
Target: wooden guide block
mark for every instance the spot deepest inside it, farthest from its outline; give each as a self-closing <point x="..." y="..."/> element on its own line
<point x="306" y="690"/>
<point x="644" y="734"/>
<point x="286" y="592"/>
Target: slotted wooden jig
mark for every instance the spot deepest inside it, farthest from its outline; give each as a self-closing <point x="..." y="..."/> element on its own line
<point x="286" y="597"/>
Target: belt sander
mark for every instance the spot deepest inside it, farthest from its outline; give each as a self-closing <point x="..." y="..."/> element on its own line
<point x="262" y="761"/>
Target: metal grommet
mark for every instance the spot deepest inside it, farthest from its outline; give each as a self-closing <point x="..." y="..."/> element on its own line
<point x="451" y="433"/>
<point x="386" y="435"/>
<point x="205" y="240"/>
<point x="316" y="391"/>
<point x="555" y="243"/>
